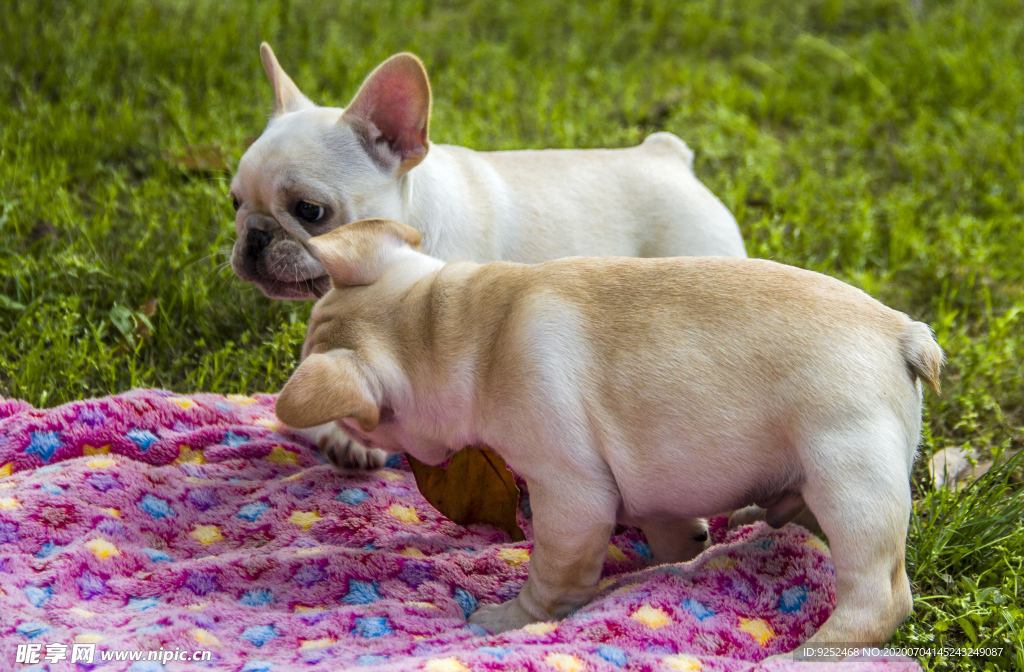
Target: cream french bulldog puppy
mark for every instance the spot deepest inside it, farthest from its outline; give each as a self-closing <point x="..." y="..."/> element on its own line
<point x="646" y="392"/>
<point x="317" y="168"/>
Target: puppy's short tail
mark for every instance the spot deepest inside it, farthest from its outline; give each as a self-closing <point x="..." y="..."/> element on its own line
<point x="921" y="353"/>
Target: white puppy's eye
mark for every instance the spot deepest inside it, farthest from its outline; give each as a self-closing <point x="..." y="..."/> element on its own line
<point x="310" y="212"/>
<point x="234" y="202"/>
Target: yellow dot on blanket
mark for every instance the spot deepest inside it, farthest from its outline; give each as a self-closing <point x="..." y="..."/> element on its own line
<point x="82" y="613"/>
<point x="101" y="462"/>
<point x="614" y="553"/>
<point x="605" y="582"/>
<point x="241" y="399"/>
<point x="206" y="534"/>
<point x="102" y="549"/>
<point x="406" y="514"/>
<point x="197" y="606"/>
<point x="391" y="475"/>
<point x="682" y="662"/>
<point x="204" y="637"/>
<point x="184" y="402"/>
<point x="445" y="665"/>
<point x="94" y="450"/>
<point x="5" y="470"/>
<point x="542" y="628"/>
<point x="9" y="503"/>
<point x="514" y="556"/>
<point x="112" y="512"/>
<point x="653" y="617"/>
<point x="758" y="629"/>
<point x="817" y="543"/>
<point x="304" y="519"/>
<point x="421" y="605"/>
<point x="268" y="423"/>
<point x="563" y="662"/>
<point x="310" y="644"/>
<point x="281" y="456"/>
<point x="412" y="552"/>
<point x="720" y="562"/>
<point x="88" y="638"/>
<point x="188" y="456"/>
<point x="303" y="609"/>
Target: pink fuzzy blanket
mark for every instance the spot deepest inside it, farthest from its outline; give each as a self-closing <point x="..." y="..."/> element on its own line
<point x="181" y="525"/>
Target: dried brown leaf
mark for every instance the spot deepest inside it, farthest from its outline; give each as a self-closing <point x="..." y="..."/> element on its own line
<point x="475" y="488"/>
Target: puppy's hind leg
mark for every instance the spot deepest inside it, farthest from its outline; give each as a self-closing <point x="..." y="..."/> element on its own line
<point x="340" y="450"/>
<point x="676" y="540"/>
<point x="859" y="491"/>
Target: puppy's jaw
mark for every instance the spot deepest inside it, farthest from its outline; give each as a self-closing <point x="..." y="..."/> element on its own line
<point x="281" y="273"/>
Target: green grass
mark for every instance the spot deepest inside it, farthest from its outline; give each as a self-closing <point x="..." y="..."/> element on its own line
<point x="876" y="140"/>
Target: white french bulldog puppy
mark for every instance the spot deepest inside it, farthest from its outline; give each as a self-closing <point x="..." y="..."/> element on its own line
<point x="645" y="392"/>
<point x="317" y="168"/>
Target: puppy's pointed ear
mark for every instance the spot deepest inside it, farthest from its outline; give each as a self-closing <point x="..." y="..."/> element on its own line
<point x="287" y="97"/>
<point x="327" y="387"/>
<point x="360" y="252"/>
<point x="392" y="112"/>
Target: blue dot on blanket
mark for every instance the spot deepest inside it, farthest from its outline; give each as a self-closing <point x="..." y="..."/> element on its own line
<point x="700" y="611"/>
<point x="643" y="550"/>
<point x="466" y="601"/>
<point x="38" y="596"/>
<point x="146" y="666"/>
<point x="143" y="438"/>
<point x="51" y="489"/>
<point x="260" y="634"/>
<point x="792" y="599"/>
<point x="352" y="496"/>
<point x="48" y="549"/>
<point x="498" y="652"/>
<point x="32" y="629"/>
<point x="361" y="592"/>
<point x="157" y="508"/>
<point x="372" y="626"/>
<point x="257" y="598"/>
<point x="612" y="654"/>
<point x="252" y="511"/>
<point x="142" y="603"/>
<point x="156" y="556"/>
<point x="370" y="659"/>
<point x="233" y="440"/>
<point x="257" y="666"/>
<point x="44" y="444"/>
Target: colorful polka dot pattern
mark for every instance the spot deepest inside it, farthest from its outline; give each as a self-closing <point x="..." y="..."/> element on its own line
<point x="150" y="520"/>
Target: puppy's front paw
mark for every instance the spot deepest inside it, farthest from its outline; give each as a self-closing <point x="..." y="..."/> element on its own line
<point x="344" y="453"/>
<point x="497" y="618"/>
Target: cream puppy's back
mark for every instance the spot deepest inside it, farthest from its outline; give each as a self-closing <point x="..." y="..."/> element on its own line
<point x="717" y="353"/>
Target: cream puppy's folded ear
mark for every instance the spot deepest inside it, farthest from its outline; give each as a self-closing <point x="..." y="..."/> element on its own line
<point x="392" y="110"/>
<point x="327" y="387"/>
<point x="287" y="97"/>
<point x="358" y="253"/>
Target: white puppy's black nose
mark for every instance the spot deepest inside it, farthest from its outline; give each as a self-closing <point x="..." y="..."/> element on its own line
<point x="256" y="241"/>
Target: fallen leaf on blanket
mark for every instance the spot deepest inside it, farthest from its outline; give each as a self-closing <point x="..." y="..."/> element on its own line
<point x="475" y="488"/>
